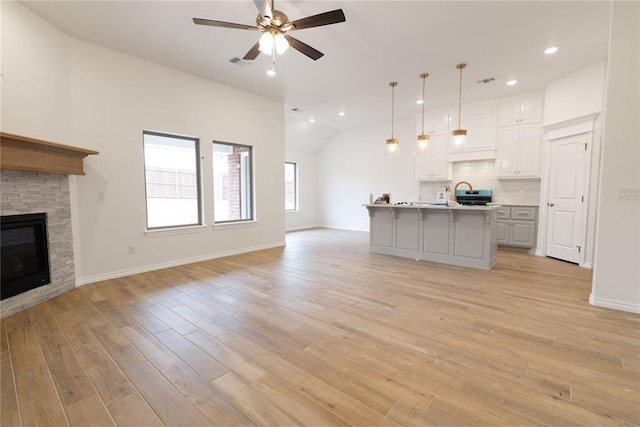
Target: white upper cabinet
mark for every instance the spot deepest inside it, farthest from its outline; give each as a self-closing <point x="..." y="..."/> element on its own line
<point x="437" y="122"/>
<point x="519" y="151"/>
<point x="433" y="165"/>
<point x="479" y="144"/>
<point x="519" y="137"/>
<point x="512" y="112"/>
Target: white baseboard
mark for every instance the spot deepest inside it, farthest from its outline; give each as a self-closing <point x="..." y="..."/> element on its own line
<point x="332" y="227"/>
<point x="616" y="305"/>
<point x="174" y="263"/>
<point x="303" y="227"/>
<point x="587" y="265"/>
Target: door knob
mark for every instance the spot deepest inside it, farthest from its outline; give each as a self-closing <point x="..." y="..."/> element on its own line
<point x="551" y="204"/>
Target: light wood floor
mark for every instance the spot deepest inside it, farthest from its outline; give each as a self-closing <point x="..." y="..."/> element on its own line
<point x="324" y="333"/>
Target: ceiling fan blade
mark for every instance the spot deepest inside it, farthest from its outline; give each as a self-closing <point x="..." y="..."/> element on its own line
<point x="304" y="48"/>
<point x="253" y="53"/>
<point x="213" y="23"/>
<point x="265" y="7"/>
<point x="326" y="18"/>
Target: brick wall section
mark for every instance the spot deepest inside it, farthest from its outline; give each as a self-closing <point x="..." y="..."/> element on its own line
<point x="235" y="206"/>
<point x="29" y="192"/>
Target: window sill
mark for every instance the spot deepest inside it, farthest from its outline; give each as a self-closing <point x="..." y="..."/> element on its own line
<point x="232" y="225"/>
<point x="162" y="232"/>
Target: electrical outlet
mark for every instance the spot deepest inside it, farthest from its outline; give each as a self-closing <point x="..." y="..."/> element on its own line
<point x="132" y="249"/>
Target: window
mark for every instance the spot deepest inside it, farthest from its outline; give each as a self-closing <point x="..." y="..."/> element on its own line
<point x="232" y="182"/>
<point x="290" y="186"/>
<point x="172" y="177"/>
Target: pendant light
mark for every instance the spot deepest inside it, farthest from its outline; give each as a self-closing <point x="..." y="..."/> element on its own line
<point x="393" y="146"/>
<point x="459" y="134"/>
<point x="422" y="141"/>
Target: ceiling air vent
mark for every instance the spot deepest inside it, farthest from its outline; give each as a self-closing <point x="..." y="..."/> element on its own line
<point x="240" y="62"/>
<point x="485" y="81"/>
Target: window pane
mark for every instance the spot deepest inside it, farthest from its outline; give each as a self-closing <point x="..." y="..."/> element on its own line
<point x="232" y="186"/>
<point x="290" y="187"/>
<point x="172" y="177"/>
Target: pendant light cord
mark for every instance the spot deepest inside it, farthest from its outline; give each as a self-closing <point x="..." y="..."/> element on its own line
<point x="424" y="78"/>
<point x="393" y="92"/>
<point x="460" y="96"/>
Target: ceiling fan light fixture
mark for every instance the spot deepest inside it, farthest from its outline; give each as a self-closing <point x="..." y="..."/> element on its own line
<point x="266" y="43"/>
<point x="281" y="43"/>
<point x="271" y="39"/>
<point x="459" y="134"/>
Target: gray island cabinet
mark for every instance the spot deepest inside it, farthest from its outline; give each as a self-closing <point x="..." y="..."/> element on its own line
<point x="464" y="235"/>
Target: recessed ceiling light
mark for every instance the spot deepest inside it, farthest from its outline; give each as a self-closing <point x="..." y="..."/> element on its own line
<point x="312" y="120"/>
<point x="512" y="82"/>
<point x="420" y="101"/>
<point x="271" y="73"/>
<point x="341" y="113"/>
<point x="551" y="50"/>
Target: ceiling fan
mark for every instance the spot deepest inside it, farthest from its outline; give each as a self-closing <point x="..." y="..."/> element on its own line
<point x="275" y="25"/>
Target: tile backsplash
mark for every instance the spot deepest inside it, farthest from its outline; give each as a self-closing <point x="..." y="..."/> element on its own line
<point x="482" y="175"/>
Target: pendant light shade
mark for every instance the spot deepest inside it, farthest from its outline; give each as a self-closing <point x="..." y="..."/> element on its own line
<point x="422" y="141"/>
<point x="393" y="146"/>
<point x="459" y="134"/>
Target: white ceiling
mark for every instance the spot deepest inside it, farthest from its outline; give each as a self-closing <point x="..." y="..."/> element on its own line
<point x="380" y="42"/>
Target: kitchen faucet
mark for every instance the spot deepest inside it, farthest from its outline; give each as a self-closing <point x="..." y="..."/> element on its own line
<point x="456" y="188"/>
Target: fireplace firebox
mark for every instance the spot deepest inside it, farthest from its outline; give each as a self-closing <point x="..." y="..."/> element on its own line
<point x="24" y="253"/>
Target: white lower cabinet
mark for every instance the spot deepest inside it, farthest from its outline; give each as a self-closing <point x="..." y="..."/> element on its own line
<point x="517" y="226"/>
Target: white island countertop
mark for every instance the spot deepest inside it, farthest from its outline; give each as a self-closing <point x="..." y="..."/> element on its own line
<point x="532" y="205"/>
<point x="430" y="206"/>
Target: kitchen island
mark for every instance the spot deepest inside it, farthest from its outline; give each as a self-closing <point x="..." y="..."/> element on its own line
<point x="463" y="235"/>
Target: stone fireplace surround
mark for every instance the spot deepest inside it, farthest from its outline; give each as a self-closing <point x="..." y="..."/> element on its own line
<point x="35" y="179"/>
<point x="35" y="192"/>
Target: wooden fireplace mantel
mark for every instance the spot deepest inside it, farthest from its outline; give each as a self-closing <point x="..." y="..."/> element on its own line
<point x="35" y="155"/>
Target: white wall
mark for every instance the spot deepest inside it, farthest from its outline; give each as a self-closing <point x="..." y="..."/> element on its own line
<point x="576" y="95"/>
<point x="616" y="281"/>
<point x="354" y="164"/>
<point x="35" y="76"/>
<point x="306" y="215"/>
<point x="88" y="96"/>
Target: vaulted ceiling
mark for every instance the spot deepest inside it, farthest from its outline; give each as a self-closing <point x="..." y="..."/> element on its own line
<point x="380" y="42"/>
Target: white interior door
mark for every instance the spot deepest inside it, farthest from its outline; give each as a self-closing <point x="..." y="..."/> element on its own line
<point x="566" y="198"/>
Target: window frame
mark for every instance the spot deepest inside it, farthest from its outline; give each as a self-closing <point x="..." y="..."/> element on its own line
<point x="250" y="182"/>
<point x="296" y="206"/>
<point x="198" y="157"/>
